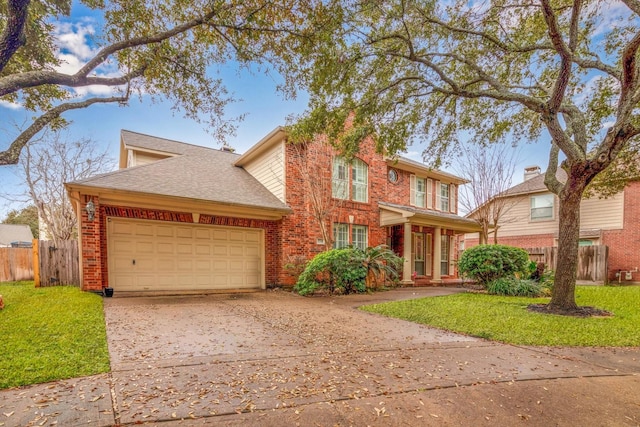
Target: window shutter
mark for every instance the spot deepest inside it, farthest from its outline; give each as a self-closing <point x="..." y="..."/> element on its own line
<point x="452" y="198"/>
<point x="412" y="192"/>
<point x="438" y="196"/>
<point x="429" y="193"/>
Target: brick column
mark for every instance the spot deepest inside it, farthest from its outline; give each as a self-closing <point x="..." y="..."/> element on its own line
<point x="89" y="234"/>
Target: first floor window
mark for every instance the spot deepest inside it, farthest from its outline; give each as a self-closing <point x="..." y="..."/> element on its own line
<point x="340" y="235"/>
<point x="444" y="255"/>
<point x="359" y="236"/>
<point x="343" y="237"/>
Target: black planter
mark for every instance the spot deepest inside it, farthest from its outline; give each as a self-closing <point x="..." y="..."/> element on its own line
<point x="108" y="292"/>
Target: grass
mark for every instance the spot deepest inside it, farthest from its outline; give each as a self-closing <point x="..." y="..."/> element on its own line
<point x="506" y="319"/>
<point x="50" y="333"/>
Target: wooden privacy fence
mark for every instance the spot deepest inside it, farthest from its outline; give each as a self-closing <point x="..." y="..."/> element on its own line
<point x="593" y="261"/>
<point x="16" y="264"/>
<point x="58" y="264"/>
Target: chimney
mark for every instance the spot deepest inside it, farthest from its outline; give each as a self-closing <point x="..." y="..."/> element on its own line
<point x="531" y="172"/>
<point x="227" y="149"/>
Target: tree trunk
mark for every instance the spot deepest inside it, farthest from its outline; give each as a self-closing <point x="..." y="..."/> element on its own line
<point x="563" y="294"/>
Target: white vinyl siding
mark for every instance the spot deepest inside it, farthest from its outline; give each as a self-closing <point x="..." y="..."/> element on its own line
<point x="359" y="236"/>
<point x="542" y="207"/>
<point x="595" y="214"/>
<point x="268" y="169"/>
<point x="340" y="235"/>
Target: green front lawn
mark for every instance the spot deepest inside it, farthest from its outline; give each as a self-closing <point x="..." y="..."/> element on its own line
<point x="507" y="319"/>
<point x="49" y="334"/>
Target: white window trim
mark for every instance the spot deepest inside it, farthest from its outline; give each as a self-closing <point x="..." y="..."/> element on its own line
<point x="553" y="208"/>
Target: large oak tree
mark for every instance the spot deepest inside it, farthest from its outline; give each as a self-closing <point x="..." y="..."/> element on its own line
<point x="164" y="49"/>
<point x="433" y="72"/>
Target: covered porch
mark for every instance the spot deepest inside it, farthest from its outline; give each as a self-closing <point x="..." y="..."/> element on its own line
<point x="426" y="239"/>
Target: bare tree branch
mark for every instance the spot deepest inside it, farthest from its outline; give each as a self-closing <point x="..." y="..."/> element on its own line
<point x="11" y="155"/>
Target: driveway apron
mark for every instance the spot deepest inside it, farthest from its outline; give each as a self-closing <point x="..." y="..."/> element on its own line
<point x="273" y="358"/>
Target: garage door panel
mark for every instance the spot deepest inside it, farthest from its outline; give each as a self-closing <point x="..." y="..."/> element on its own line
<point x="203" y="249"/>
<point x="184" y="249"/>
<point x="236" y="250"/>
<point x="144" y="229"/>
<point x="144" y="247"/>
<point x="252" y="251"/>
<point x="220" y="250"/>
<point x="164" y="231"/>
<point x="188" y="257"/>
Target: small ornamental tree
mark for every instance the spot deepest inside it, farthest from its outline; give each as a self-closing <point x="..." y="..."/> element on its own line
<point x="486" y="263"/>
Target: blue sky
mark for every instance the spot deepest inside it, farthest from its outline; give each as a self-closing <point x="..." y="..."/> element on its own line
<point x="265" y="109"/>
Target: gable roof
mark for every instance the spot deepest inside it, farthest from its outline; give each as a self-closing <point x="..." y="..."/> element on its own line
<point x="192" y="172"/>
<point x="533" y="185"/>
<point x="10" y="233"/>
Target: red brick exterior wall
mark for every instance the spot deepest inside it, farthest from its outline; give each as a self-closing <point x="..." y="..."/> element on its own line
<point x="301" y="230"/>
<point x="92" y="243"/>
<point x="94" y="238"/>
<point x="624" y="245"/>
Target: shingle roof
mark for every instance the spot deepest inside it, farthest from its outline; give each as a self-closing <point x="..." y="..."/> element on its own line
<point x="195" y="173"/>
<point x="431" y="213"/>
<point x="534" y="185"/>
<point x="14" y="233"/>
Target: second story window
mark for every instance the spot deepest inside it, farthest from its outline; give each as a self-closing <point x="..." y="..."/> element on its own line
<point x="444" y="197"/>
<point x="349" y="183"/>
<point x="420" y="192"/>
<point x="542" y="207"/>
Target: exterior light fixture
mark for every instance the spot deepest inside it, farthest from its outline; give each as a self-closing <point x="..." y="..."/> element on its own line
<point x="91" y="210"/>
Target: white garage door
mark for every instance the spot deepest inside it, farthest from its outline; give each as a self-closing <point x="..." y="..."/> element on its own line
<point x="157" y="256"/>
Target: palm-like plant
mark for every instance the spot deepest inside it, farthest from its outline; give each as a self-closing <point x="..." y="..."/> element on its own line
<point x="382" y="264"/>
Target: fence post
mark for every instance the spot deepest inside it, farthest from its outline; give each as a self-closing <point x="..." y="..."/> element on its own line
<point x="36" y="262"/>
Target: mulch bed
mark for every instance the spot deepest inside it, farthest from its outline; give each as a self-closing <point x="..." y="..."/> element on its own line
<point x="584" y="311"/>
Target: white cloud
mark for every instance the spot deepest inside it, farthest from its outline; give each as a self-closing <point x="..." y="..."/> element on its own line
<point x="10" y="105"/>
<point x="75" y="39"/>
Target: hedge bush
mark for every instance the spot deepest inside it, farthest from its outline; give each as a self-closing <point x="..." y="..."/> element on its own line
<point x="513" y="286"/>
<point x="337" y="271"/>
<point x="486" y="263"/>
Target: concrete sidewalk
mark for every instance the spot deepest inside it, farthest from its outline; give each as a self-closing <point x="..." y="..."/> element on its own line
<point x="273" y="358"/>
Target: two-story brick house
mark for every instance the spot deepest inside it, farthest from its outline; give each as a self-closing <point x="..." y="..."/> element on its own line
<point x="179" y="217"/>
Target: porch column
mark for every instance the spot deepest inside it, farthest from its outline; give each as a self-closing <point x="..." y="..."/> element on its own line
<point x="437" y="250"/>
<point x="406" y="254"/>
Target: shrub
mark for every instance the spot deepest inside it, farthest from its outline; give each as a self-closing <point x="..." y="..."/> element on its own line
<point x="486" y="263"/>
<point x="381" y="263"/>
<point x="336" y="270"/>
<point x="512" y="286"/>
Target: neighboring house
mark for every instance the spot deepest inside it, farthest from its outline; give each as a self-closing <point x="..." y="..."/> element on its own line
<point x="179" y="217"/>
<point x="531" y="221"/>
<point x="15" y="235"/>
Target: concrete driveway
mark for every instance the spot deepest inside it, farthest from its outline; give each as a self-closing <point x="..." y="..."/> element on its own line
<point x="276" y="359"/>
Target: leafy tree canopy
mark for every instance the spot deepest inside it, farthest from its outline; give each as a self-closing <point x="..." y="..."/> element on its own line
<point x="28" y="216"/>
<point x="157" y="48"/>
<point x="504" y="70"/>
